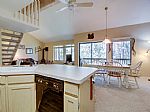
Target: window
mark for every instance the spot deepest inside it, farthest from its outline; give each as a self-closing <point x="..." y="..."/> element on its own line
<point x="58" y="53"/>
<point x="61" y="51"/>
<point x="92" y="52"/>
<point x="69" y="50"/>
<point x="122" y="52"/>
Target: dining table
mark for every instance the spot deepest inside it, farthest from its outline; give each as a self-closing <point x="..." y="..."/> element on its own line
<point x="124" y="67"/>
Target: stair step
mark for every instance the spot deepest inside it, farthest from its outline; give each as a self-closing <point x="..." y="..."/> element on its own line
<point x="8" y="54"/>
<point x="7" y="45"/>
<point x="10" y="40"/>
<point x="6" y="61"/>
<point x="12" y="50"/>
<point x="7" y="58"/>
<point x="11" y="35"/>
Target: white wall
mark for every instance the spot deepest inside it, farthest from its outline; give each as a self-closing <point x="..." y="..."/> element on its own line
<point x="30" y="42"/>
<point x="141" y="47"/>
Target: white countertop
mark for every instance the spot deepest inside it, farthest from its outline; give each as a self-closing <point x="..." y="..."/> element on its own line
<point x="68" y="73"/>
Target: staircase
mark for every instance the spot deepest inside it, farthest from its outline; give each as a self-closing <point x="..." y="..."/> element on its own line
<point x="10" y="42"/>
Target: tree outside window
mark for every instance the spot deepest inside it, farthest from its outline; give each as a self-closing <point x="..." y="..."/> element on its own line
<point x="122" y="52"/>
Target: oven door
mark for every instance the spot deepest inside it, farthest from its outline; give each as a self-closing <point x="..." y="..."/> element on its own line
<point x="52" y="101"/>
<point x="39" y="93"/>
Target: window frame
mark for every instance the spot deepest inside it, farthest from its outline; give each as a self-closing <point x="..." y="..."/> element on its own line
<point x="72" y="46"/>
<point x="79" y="59"/>
<point x="57" y="47"/>
<point x="64" y="51"/>
<point x="121" y="40"/>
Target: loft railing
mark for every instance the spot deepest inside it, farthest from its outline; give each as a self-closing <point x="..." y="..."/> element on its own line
<point x="29" y="14"/>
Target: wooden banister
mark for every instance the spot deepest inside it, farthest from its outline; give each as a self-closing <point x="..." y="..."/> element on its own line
<point x="29" y="14"/>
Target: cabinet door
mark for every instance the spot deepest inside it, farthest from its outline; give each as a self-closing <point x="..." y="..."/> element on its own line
<point x="21" y="98"/>
<point x="70" y="104"/>
<point x="2" y="98"/>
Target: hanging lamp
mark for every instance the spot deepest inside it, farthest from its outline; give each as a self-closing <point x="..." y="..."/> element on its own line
<point x="106" y="40"/>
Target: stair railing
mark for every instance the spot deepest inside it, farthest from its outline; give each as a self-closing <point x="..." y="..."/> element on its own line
<point x="29" y="14"/>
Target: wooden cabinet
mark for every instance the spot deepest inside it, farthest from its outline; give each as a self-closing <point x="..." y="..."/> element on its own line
<point x="21" y="98"/>
<point x="2" y="98"/>
<point x="71" y="104"/>
<point x="17" y="93"/>
<point x="77" y="98"/>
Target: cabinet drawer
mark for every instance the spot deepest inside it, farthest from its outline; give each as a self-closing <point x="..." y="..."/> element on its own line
<point x="71" y="89"/>
<point x="2" y="80"/>
<point x="20" y="79"/>
<point x="71" y="104"/>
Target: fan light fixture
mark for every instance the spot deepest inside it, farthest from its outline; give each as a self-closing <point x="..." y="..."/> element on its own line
<point x="107" y="41"/>
<point x="70" y="4"/>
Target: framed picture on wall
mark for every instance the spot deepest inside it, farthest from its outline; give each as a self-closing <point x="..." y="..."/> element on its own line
<point x="29" y="50"/>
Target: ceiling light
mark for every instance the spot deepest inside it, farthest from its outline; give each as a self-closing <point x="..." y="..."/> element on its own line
<point x="107" y="41"/>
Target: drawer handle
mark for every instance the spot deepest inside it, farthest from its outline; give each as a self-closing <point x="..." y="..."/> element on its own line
<point x="70" y="101"/>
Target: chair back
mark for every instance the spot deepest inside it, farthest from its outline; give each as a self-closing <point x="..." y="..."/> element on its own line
<point x="100" y="64"/>
<point x="115" y="70"/>
<point x="136" y="68"/>
<point x="97" y="65"/>
<point x="115" y="63"/>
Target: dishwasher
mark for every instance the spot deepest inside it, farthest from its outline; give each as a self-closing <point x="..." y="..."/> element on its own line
<point x="49" y="94"/>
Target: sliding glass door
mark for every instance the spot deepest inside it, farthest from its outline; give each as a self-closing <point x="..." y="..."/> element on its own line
<point x="92" y="52"/>
<point x="122" y="52"/>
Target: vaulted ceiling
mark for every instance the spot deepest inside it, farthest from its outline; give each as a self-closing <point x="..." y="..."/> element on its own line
<point x="63" y="25"/>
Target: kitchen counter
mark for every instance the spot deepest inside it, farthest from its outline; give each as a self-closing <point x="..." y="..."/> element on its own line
<point x="73" y="74"/>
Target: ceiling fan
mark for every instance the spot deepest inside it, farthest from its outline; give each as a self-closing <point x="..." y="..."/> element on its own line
<point x="70" y="4"/>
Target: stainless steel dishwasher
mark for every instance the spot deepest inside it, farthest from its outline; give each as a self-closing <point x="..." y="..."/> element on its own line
<point x="49" y="94"/>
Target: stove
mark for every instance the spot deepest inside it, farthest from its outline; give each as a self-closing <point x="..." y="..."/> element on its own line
<point x="49" y="94"/>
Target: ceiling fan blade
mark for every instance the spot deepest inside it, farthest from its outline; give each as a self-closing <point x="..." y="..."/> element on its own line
<point x="64" y="1"/>
<point x="88" y="4"/>
<point x="62" y="9"/>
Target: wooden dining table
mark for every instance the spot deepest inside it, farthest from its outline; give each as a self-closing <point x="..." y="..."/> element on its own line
<point x="125" y="68"/>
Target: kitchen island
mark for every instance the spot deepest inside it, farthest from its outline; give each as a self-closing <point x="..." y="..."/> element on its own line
<point x="18" y="93"/>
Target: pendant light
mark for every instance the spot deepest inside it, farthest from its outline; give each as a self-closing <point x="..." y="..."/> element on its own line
<point x="107" y="41"/>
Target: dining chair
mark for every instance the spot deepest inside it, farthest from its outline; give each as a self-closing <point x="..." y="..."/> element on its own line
<point x="101" y="71"/>
<point x="116" y="71"/>
<point x="134" y="72"/>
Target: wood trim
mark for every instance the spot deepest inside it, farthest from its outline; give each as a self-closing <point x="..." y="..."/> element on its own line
<point x="4" y="54"/>
<point x="91" y="88"/>
<point x="11" y="35"/>
<point x="11" y="50"/>
<point x="10" y="40"/>
<point x="7" y="45"/>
